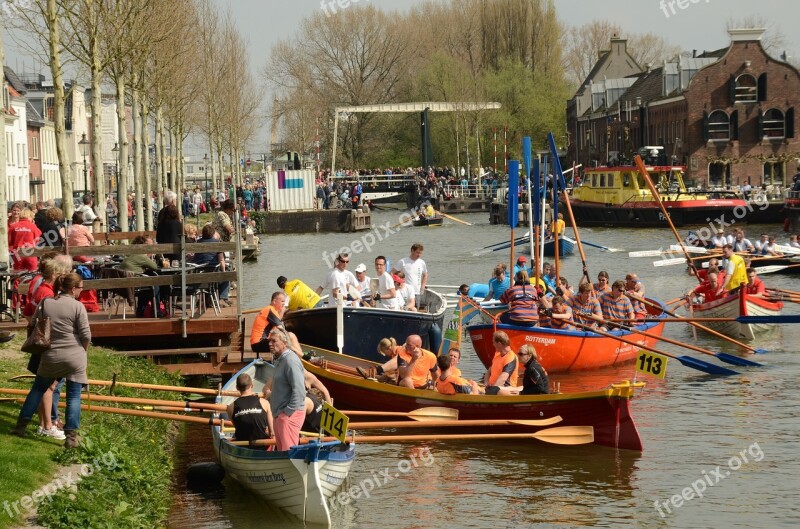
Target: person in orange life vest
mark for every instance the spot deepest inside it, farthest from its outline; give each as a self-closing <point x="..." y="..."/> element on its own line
<point x="455" y="359"/>
<point x="250" y="413"/>
<point x="616" y="305"/>
<point x="268" y="319"/>
<point x="503" y="371"/>
<point x="22" y="237"/>
<point x="711" y="289"/>
<point x="451" y="384"/>
<point x="755" y="287"/>
<point x="560" y="313"/>
<point x="417" y="367"/>
<point x="635" y="289"/>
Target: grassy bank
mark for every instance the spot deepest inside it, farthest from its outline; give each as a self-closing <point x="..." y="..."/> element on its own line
<point x="126" y="462"/>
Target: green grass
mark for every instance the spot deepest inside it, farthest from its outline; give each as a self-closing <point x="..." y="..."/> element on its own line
<point x="130" y="457"/>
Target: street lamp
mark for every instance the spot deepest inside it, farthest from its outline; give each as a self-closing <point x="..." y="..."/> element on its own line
<point x="205" y="169"/>
<point x="84" y="143"/>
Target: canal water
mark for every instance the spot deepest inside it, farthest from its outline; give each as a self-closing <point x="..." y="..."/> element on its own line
<point x="718" y="451"/>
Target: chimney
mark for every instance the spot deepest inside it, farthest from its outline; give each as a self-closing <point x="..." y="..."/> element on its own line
<point x="694" y="54"/>
<point x="619" y="46"/>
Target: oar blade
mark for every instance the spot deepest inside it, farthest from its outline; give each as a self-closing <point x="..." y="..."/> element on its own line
<point x="705" y="367"/>
<point x="782" y="318"/>
<point x="670" y="262"/>
<point x="537" y="422"/>
<point x="566" y="435"/>
<point x="646" y="253"/>
<point x="434" y="413"/>
<point x="735" y="360"/>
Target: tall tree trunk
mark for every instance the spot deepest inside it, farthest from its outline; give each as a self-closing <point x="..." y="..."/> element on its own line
<point x="4" y="257"/>
<point x="97" y="138"/>
<point x="146" y="176"/>
<point x="141" y="198"/>
<point x="160" y="170"/>
<point x="122" y="181"/>
<point x="64" y="168"/>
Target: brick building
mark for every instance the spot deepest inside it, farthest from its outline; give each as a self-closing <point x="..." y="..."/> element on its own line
<point x="727" y="115"/>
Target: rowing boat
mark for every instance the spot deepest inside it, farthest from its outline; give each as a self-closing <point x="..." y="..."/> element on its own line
<point x="607" y="410"/>
<point x="562" y="351"/>
<point x="300" y="480"/>
<point x="428" y="221"/>
<point x="734" y="306"/>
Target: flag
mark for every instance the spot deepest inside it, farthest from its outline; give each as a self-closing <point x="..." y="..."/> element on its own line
<point x="466" y="309"/>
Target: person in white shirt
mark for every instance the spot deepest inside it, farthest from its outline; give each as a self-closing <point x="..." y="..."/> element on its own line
<point x="88" y="210"/>
<point x="386" y="294"/>
<point x="405" y="293"/>
<point x="719" y="240"/>
<point x="415" y="270"/>
<point x="339" y="278"/>
<point x="363" y="284"/>
<point x="761" y="243"/>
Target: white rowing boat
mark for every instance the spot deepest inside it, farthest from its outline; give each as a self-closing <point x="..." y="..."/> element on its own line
<point x="734" y="306"/>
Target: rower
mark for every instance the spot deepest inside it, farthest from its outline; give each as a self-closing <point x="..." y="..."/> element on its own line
<point x="711" y="290"/>
<point x="616" y="305"/>
<point x="720" y="240"/>
<point x="522" y="300"/>
<point x="498" y="284"/>
<point x="755" y="287"/>
<point x="387" y="371"/>
<point x="266" y="320"/>
<point x="455" y="358"/>
<point x="602" y="285"/>
<point x="503" y="371"/>
<point x="417" y="367"/>
<point x="251" y="414"/>
<point x="635" y="289"/>
<point x="735" y="270"/>
<point x="451" y="384"/>
<point x="585" y="307"/>
<point x="560" y="314"/>
<point x="535" y="380"/>
<point x="713" y="266"/>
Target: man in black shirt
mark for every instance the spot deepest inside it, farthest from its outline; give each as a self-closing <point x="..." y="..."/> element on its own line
<point x="250" y="413"/>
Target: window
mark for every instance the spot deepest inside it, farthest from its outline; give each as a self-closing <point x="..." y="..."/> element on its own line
<point x="610" y="179"/>
<point x="602" y="180"/>
<point x="774" y="124"/>
<point x="594" y="179"/>
<point x="746" y="89"/>
<point x="35" y="148"/>
<point x="719" y="174"/>
<point x="773" y="173"/>
<point x="719" y="126"/>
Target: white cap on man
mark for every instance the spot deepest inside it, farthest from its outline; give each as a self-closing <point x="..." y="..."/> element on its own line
<point x="361" y="267"/>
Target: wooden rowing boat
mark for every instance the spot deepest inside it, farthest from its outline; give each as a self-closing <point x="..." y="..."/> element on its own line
<point x="300" y="480"/>
<point x="734" y="306"/>
<point x="428" y="221"/>
<point x="563" y="351"/>
<point x="364" y="326"/>
<point x="607" y="410"/>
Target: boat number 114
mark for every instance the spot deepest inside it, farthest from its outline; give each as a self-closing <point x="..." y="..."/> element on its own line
<point x="334" y="422"/>
<point x="652" y="364"/>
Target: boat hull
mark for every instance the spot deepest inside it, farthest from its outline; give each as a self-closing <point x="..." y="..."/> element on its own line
<point x="300" y="480"/>
<point x="566" y="247"/>
<point x="734" y="306"/>
<point x="649" y="215"/>
<point x="365" y="327"/>
<point x="607" y="411"/>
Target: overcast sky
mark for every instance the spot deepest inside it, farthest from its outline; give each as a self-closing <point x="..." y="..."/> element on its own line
<point x="699" y="25"/>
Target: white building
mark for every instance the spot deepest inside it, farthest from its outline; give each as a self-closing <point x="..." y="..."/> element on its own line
<point x="16" y="138"/>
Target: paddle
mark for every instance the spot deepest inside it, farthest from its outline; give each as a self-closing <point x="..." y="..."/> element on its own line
<point x="563" y="435"/>
<point x="688" y="361"/>
<point x="605" y="248"/>
<point x="654" y="191"/>
<point x="339" y="321"/>
<point x="445" y="215"/>
<point x="577" y="236"/>
<point x="760" y="270"/>
<point x="694" y="323"/>
<point x="133" y="400"/>
<point x="155" y="387"/>
<point x="431" y="413"/>
<point x="792" y="292"/>
<point x="725" y="357"/>
<point x="650" y="253"/>
<point x="784" y="318"/>
<point x="450" y="424"/>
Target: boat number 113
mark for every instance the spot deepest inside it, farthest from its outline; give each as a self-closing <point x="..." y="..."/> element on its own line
<point x="334" y="422"/>
<point x="652" y="364"/>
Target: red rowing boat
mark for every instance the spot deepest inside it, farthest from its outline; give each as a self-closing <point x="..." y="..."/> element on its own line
<point x="607" y="410"/>
<point x="561" y="351"/>
<point x="734" y="306"/>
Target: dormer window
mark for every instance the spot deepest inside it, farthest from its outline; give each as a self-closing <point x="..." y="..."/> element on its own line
<point x="746" y="89"/>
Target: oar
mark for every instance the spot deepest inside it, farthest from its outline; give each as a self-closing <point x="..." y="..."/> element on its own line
<point x="445" y="215"/>
<point x="688" y="361"/>
<point x="563" y="435"/>
<point x="577" y="235"/>
<point x="657" y="197"/>
<point x="725" y="357"/>
<point x="444" y="286"/>
<point x="650" y="253"/>
<point x="134" y="400"/>
<point x="147" y="414"/>
<point x="153" y="387"/>
<point x="367" y="425"/>
<point x="783" y="318"/>
<point x="605" y="248"/>
<point x="694" y="323"/>
<point x="431" y="413"/>
<point x="782" y="291"/>
<point x="760" y="270"/>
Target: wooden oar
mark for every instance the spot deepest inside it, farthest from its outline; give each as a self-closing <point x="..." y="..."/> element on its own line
<point x="725" y="357"/>
<point x="643" y="170"/>
<point x="699" y="326"/>
<point x="605" y="248"/>
<point x="577" y="235"/>
<point x="563" y="435"/>
<point x="134" y="400"/>
<point x="367" y="425"/>
<point x="783" y="291"/>
<point x="431" y="413"/>
<point x="445" y="215"/>
<point x="771" y="269"/>
<point x="783" y="318"/>
<point x="151" y="387"/>
<point x="688" y="361"/>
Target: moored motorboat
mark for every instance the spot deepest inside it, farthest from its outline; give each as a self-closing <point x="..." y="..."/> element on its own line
<point x="301" y="480"/>
<point x="561" y="350"/>
<point x="365" y="326"/>
<point x="736" y="305"/>
<point x="607" y="410"/>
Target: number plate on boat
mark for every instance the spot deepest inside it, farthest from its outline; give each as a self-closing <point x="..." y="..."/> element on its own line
<point x="652" y="364"/>
<point x="334" y="422"/>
